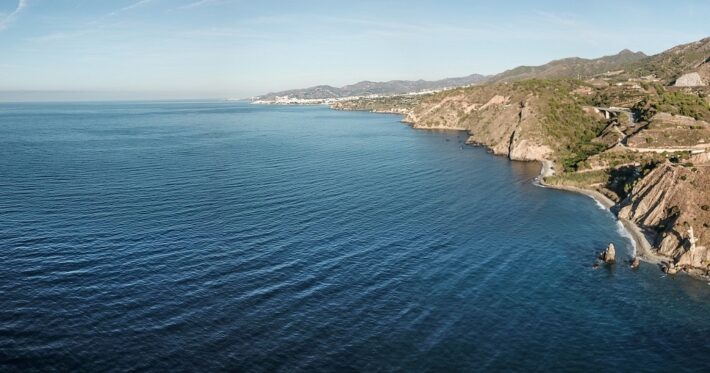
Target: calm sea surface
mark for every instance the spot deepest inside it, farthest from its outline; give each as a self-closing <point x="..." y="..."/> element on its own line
<point x="213" y="236"/>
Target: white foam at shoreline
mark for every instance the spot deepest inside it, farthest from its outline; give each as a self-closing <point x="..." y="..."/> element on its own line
<point x="624" y="232"/>
<point x="599" y="204"/>
<point x="620" y="227"/>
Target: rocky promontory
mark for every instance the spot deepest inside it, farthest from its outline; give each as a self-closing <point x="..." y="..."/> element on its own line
<point x="636" y="141"/>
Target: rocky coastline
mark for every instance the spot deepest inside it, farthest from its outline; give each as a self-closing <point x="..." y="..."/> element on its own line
<point x="636" y="141"/>
<point x="642" y="239"/>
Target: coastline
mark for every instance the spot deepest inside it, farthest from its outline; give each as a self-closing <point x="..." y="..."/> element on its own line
<point x="643" y="248"/>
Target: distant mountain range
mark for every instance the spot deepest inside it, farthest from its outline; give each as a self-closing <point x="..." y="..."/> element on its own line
<point x="573" y="67"/>
<point x="667" y="66"/>
<point x="365" y="88"/>
<point x="568" y="67"/>
<point x="671" y="64"/>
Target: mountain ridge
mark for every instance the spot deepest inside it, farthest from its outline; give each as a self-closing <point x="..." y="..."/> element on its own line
<point x="366" y="87"/>
<point x="570" y="67"/>
<point x="667" y="66"/>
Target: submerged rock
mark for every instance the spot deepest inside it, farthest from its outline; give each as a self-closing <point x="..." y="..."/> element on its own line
<point x="670" y="268"/>
<point x="634" y="263"/>
<point x="608" y="255"/>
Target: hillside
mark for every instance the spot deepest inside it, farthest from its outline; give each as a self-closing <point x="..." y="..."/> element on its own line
<point x="679" y="60"/>
<point x="366" y="88"/>
<point x="666" y="67"/>
<point x="565" y="68"/>
<point x="527" y="120"/>
<point x="574" y="67"/>
<point x="638" y="140"/>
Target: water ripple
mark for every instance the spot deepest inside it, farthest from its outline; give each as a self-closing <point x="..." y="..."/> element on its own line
<point x="222" y="236"/>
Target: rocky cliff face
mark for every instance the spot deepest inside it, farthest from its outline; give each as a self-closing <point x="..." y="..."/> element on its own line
<point x="546" y="120"/>
<point x="533" y="120"/>
<point x="689" y="80"/>
<point x="508" y="123"/>
<point x="671" y="200"/>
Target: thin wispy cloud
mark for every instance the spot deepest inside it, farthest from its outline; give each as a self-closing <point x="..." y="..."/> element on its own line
<point x="558" y="19"/>
<point x="96" y="25"/>
<point x="60" y="35"/>
<point x="98" y="22"/>
<point x="135" y="5"/>
<point x="199" y="3"/>
<point x="254" y="46"/>
<point x="8" y="19"/>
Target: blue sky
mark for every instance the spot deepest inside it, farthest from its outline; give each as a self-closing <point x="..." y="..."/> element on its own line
<point x="139" y="49"/>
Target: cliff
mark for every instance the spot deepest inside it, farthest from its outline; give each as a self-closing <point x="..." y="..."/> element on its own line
<point x="669" y="201"/>
<point x="642" y="144"/>
<point x="507" y="124"/>
<point x="533" y="120"/>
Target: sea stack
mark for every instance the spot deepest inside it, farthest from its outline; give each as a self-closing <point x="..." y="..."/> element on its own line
<point x="608" y="255"/>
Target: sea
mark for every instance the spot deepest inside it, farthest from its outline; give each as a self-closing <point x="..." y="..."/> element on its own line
<point x="224" y="236"/>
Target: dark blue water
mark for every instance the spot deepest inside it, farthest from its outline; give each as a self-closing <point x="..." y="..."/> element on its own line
<point x="223" y="236"/>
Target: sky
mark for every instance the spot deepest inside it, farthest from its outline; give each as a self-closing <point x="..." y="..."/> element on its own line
<point x="180" y="49"/>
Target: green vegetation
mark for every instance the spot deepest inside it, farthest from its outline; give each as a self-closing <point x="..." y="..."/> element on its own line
<point x="601" y="99"/>
<point x="616" y="159"/>
<point x="381" y="103"/>
<point x="677" y="157"/>
<point x="572" y="67"/>
<point x="575" y="156"/>
<point x="672" y="63"/>
<point x="623" y="179"/>
<point x="677" y="102"/>
<point x="567" y="126"/>
<point x="613" y="95"/>
<point x="579" y="179"/>
<point x="619" y="180"/>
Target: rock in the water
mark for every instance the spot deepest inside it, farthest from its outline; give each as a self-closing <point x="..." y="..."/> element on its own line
<point x="608" y="255"/>
<point x="635" y="263"/>
<point x="671" y="268"/>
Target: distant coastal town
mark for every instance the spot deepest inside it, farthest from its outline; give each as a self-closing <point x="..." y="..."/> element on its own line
<point x="289" y="100"/>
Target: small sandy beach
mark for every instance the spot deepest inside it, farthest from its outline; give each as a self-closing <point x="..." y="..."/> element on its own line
<point x="644" y="249"/>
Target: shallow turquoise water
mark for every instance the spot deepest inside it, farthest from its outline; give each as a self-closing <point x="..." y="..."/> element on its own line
<point x="224" y="236"/>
